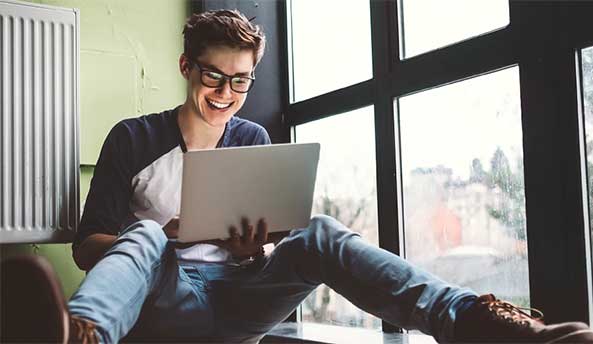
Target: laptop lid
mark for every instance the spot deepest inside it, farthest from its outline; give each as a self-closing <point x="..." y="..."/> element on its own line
<point x="221" y="186"/>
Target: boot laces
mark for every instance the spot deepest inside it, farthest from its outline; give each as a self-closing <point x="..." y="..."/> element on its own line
<point x="82" y="331"/>
<point x="514" y="314"/>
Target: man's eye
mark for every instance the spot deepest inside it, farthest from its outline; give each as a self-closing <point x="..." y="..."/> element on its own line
<point x="214" y="76"/>
<point x="240" y="81"/>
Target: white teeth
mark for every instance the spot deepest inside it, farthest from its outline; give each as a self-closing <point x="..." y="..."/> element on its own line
<point x="218" y="105"/>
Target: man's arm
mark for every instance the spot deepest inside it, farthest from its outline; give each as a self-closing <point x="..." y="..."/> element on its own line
<point x="90" y="251"/>
<point x="108" y="199"/>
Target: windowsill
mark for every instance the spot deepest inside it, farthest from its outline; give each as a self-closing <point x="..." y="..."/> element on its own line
<point x="291" y="332"/>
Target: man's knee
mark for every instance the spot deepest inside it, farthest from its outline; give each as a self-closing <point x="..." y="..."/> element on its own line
<point x="324" y="223"/>
<point x="326" y="230"/>
<point x="155" y="231"/>
<point x="147" y="235"/>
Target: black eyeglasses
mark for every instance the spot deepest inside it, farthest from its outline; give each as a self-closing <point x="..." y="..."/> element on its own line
<point x="210" y="78"/>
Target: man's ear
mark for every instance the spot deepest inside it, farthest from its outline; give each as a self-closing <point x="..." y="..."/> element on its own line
<point x="184" y="66"/>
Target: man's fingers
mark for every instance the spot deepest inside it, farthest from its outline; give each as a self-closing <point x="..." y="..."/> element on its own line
<point x="249" y="234"/>
<point x="244" y="223"/>
<point x="262" y="231"/>
<point x="248" y="231"/>
<point x="234" y="234"/>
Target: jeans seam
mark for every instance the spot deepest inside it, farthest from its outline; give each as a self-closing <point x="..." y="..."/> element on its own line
<point x="137" y="295"/>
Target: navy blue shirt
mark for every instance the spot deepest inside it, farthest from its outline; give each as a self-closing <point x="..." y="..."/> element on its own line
<point x="138" y="174"/>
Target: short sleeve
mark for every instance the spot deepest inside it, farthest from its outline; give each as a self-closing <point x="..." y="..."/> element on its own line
<point x="262" y="137"/>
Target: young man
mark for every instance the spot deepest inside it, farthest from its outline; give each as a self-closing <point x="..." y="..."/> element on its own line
<point x="138" y="281"/>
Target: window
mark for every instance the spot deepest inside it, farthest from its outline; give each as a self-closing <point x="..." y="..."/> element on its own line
<point x="331" y="45"/>
<point x="587" y="97"/>
<point x="346" y="190"/>
<point x="587" y="90"/>
<point x="454" y="179"/>
<point x="430" y="24"/>
<point x="463" y="193"/>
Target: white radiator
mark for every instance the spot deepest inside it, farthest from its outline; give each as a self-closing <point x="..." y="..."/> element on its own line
<point x="39" y="103"/>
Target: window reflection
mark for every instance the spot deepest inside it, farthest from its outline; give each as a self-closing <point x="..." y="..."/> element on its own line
<point x="464" y="202"/>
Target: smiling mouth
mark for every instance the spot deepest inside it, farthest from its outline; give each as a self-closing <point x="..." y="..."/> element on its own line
<point x="217" y="105"/>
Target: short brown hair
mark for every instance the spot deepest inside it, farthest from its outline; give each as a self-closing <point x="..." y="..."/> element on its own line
<point x="222" y="27"/>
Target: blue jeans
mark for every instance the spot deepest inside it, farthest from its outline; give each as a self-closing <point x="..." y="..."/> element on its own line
<point x="140" y="283"/>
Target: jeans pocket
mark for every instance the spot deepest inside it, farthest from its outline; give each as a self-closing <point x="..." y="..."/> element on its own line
<point x="192" y="274"/>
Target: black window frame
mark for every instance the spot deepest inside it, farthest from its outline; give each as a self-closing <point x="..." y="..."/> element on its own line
<point x="543" y="38"/>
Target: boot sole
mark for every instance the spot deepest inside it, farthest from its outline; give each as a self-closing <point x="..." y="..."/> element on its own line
<point x="580" y="336"/>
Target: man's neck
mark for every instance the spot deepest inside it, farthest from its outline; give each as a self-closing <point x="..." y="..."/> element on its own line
<point x="196" y="132"/>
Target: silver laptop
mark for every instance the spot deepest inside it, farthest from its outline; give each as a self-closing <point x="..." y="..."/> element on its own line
<point x="221" y="186"/>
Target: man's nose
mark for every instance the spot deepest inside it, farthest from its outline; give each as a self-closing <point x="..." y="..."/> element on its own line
<point x="225" y="89"/>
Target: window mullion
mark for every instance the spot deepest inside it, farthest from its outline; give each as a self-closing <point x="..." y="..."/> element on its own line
<point x="385" y="38"/>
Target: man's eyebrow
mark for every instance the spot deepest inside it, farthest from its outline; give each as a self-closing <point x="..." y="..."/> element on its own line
<point x="213" y="68"/>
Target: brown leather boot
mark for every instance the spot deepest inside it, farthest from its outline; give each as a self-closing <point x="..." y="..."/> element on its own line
<point x="82" y="331"/>
<point x="492" y="320"/>
<point x="33" y="308"/>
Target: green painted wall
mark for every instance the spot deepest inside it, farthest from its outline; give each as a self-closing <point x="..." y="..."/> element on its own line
<point x="129" y="51"/>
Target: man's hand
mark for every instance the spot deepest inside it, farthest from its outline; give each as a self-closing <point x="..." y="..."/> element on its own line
<point x="250" y="243"/>
<point x="92" y="249"/>
<point x="171" y="229"/>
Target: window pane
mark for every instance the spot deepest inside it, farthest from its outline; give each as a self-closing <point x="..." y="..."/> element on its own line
<point x="347" y="155"/>
<point x="463" y="188"/>
<point x="431" y="24"/>
<point x="587" y="84"/>
<point x="331" y="45"/>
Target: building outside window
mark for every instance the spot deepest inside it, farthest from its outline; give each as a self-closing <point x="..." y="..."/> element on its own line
<point x="463" y="190"/>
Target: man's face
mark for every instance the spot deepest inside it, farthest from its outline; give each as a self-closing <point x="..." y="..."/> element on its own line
<point x="216" y="105"/>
